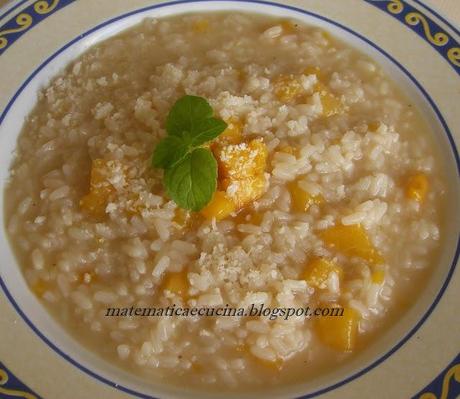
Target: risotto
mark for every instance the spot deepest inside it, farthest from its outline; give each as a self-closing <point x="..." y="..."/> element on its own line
<point x="328" y="194"/>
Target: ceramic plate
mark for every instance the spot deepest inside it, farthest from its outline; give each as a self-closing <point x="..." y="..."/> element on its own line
<point x="417" y="47"/>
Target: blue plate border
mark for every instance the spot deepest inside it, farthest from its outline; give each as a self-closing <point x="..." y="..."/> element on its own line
<point x="424" y="26"/>
<point x="446" y="385"/>
<point x="32" y="15"/>
<point x="11" y="387"/>
<point x="12" y="8"/>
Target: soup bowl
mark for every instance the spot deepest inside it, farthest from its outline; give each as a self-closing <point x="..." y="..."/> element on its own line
<point x="405" y="45"/>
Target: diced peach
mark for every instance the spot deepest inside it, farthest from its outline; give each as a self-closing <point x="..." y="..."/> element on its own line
<point x="99" y="172"/>
<point x="100" y="188"/>
<point x="233" y="133"/>
<point x="331" y="104"/>
<point x="318" y="270"/>
<point x="288" y="26"/>
<point x="251" y="217"/>
<point x="95" y="202"/>
<point x="287" y="88"/>
<point x="242" y="75"/>
<point x="378" y="277"/>
<point x="241" y="349"/>
<point x="134" y="206"/>
<point x="274" y="365"/>
<point x="201" y="26"/>
<point x="239" y="161"/>
<point x="197" y="367"/>
<point x="314" y="70"/>
<point x="176" y="283"/>
<point x="373" y="126"/>
<point x="40" y="287"/>
<point x="288" y="149"/>
<point x="255" y="218"/>
<point x="417" y="187"/>
<point x="220" y="207"/>
<point x="88" y="276"/>
<point x="181" y="217"/>
<point x="339" y="332"/>
<point x="351" y="240"/>
<point x="241" y="170"/>
<point x="300" y="199"/>
<point x="321" y="88"/>
<point x="327" y="36"/>
<point x="243" y="191"/>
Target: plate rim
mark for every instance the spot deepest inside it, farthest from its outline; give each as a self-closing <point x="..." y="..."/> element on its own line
<point x="420" y="88"/>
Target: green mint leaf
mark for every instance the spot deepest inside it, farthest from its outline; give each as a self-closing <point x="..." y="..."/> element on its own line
<point x="169" y="152"/>
<point x="190" y="176"/>
<point x="207" y="130"/>
<point x="185" y="114"/>
<point x="191" y="182"/>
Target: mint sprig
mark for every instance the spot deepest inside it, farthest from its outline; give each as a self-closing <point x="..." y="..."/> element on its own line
<point x="190" y="170"/>
<point x="169" y="152"/>
<point x="192" y="182"/>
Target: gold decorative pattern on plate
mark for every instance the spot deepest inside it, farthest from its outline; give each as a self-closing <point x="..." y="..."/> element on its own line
<point x="12" y="392"/>
<point x="454" y="55"/>
<point x="43" y="7"/>
<point x="438" y="39"/>
<point x="395" y="6"/>
<point x="39" y="9"/>
<point x="411" y="16"/>
<point x="454" y="372"/>
<point x="24" y="21"/>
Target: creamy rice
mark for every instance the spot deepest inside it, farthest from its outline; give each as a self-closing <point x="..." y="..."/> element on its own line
<point x="111" y="104"/>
